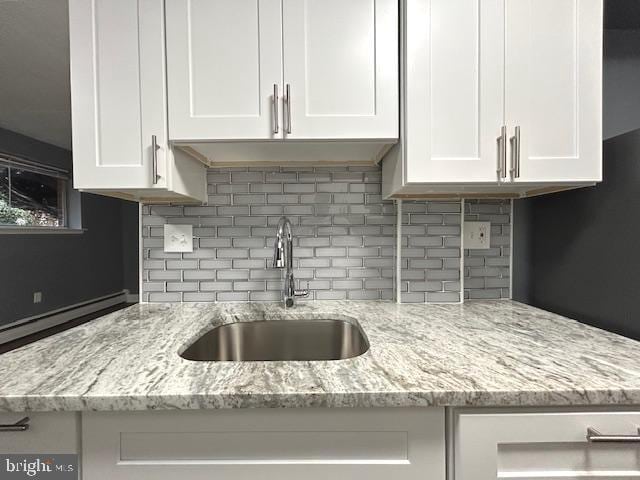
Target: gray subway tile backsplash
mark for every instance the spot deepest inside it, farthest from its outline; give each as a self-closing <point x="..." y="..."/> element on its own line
<point x="345" y="241"/>
<point x="487" y="272"/>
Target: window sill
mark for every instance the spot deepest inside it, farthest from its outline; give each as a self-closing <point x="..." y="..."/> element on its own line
<point x="7" y="230"/>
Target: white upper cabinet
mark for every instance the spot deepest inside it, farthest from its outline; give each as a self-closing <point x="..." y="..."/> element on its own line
<point x="553" y="88"/>
<point x="224" y="69"/>
<point x="118" y="91"/>
<point x="500" y="97"/>
<point x="265" y="70"/>
<point x="110" y="134"/>
<point x="454" y="89"/>
<point x="340" y="70"/>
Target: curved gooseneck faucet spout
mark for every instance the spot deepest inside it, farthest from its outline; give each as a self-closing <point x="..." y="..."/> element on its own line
<point x="283" y="258"/>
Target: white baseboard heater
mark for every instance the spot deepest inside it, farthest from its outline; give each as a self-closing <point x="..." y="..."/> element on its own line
<point x="37" y="323"/>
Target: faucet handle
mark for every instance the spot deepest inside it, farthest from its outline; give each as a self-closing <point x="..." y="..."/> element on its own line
<point x="304" y="292"/>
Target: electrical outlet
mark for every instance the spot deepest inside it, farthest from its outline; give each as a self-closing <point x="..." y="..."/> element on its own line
<point x="477" y="235"/>
<point x="178" y="238"/>
<point x="37" y="297"/>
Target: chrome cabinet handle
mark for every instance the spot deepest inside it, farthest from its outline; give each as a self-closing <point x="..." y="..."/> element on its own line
<point x="21" y="425"/>
<point x="515" y="154"/>
<point x="502" y="153"/>
<point x="287" y="100"/>
<point x="593" y="436"/>
<point x="154" y="159"/>
<point x="274" y="110"/>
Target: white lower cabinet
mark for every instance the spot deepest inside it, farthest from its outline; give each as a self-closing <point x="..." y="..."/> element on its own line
<point x="310" y="444"/>
<point x="359" y="443"/>
<point x="517" y="444"/>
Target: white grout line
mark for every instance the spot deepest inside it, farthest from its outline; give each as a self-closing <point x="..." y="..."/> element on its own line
<point x="140" y="255"/>
<point x="399" y="251"/>
<point x="462" y="250"/>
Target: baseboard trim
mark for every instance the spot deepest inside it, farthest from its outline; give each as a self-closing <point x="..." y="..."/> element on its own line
<point x="37" y="323"/>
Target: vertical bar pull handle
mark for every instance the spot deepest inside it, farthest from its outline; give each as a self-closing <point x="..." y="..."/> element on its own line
<point x="154" y="159"/>
<point x="287" y="100"/>
<point x="515" y="162"/>
<point x="274" y="110"/>
<point x="502" y="153"/>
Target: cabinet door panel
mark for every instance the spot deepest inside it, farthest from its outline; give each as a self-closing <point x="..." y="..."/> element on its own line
<point x="341" y="62"/>
<point x="116" y="48"/>
<point x="454" y="106"/>
<point x="544" y="446"/>
<point x="285" y="444"/>
<point x="553" y="87"/>
<point x="224" y="58"/>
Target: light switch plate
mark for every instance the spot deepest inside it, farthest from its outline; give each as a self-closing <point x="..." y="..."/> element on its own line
<point x="477" y="235"/>
<point x="178" y="238"/>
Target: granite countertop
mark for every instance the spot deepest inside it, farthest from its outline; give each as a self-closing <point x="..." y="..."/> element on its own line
<point x="486" y="353"/>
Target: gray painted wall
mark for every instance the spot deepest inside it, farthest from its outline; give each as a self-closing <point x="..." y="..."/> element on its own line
<point x="67" y="269"/>
<point x="622" y="14"/>
<point x="621" y="94"/>
<point x="583" y="257"/>
<point x="130" y="213"/>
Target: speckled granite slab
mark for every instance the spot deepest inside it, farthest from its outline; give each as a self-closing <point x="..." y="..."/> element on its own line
<point x="496" y="353"/>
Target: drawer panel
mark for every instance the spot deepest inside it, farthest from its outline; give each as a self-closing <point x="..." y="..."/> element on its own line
<point x="51" y="432"/>
<point x="297" y="447"/>
<point x="279" y="444"/>
<point x="544" y="445"/>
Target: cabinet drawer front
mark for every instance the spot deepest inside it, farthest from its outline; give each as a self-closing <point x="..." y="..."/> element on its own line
<point x="544" y="445"/>
<point x="55" y="432"/>
<point x="311" y="444"/>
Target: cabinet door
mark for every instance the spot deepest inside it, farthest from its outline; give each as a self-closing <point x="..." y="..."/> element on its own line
<point x="454" y="90"/>
<point x="117" y="48"/>
<point x="341" y="67"/>
<point x="224" y="58"/>
<point x="544" y="446"/>
<point x="554" y="88"/>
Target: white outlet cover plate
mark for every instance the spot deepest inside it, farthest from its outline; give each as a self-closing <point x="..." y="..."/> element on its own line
<point x="178" y="238"/>
<point x="477" y="235"/>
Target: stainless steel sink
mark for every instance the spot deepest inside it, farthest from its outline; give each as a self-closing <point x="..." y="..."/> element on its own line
<point x="272" y="340"/>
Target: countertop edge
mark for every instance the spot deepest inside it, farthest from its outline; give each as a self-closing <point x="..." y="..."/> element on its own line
<point x="487" y="399"/>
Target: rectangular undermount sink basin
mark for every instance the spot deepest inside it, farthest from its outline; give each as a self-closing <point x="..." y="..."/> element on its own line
<point x="325" y="339"/>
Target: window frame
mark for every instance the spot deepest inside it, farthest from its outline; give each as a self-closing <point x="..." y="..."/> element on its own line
<point x="63" y="176"/>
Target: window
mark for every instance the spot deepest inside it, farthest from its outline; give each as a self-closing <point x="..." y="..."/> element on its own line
<point x="32" y="195"/>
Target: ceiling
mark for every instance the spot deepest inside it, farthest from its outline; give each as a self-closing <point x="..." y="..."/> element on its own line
<point x="34" y="77"/>
<point x="622" y="14"/>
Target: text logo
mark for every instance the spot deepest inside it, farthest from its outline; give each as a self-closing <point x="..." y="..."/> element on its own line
<point x="29" y="466"/>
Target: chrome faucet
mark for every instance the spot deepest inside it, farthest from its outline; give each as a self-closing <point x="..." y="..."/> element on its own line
<point x="283" y="258"/>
